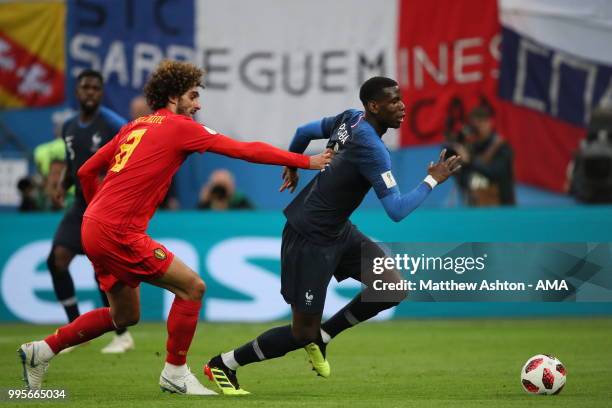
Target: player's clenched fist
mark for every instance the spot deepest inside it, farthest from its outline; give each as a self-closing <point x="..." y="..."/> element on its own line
<point x="443" y="169"/>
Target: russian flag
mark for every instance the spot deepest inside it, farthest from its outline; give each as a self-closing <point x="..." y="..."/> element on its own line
<point x="556" y="68"/>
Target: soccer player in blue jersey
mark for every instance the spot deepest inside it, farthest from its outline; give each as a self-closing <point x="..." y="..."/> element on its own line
<point x="319" y="241"/>
<point x="83" y="134"/>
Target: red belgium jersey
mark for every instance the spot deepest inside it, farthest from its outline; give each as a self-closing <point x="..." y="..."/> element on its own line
<point x="142" y="158"/>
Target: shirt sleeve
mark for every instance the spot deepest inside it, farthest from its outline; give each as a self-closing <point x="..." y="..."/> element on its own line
<point x="201" y="138"/>
<point x="89" y="171"/>
<point x="193" y="136"/>
<point x="328" y="124"/>
<point x="398" y="206"/>
<point x="318" y="129"/>
<point x="374" y="163"/>
<point x="257" y="152"/>
<point x="304" y="134"/>
<point x="115" y="121"/>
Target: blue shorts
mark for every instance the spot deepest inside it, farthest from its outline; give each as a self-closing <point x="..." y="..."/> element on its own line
<point x="307" y="268"/>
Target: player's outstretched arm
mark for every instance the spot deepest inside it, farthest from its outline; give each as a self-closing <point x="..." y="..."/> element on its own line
<point x="398" y="205"/>
<point x="66" y="180"/>
<point x="59" y="191"/>
<point x="260" y="152"/>
<point x="305" y="134"/>
<point x="89" y="171"/>
<point x="291" y="177"/>
<point x="318" y="129"/>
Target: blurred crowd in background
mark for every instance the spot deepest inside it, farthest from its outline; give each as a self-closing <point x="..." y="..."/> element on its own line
<point x="486" y="178"/>
<point x="38" y="191"/>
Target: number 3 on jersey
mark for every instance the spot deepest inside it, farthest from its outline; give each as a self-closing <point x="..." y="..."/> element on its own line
<point x="126" y="149"/>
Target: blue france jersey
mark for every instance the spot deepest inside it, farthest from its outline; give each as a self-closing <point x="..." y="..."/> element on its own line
<point x="322" y="209"/>
<point x="83" y="140"/>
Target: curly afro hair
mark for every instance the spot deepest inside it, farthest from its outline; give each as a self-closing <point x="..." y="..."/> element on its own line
<point x="171" y="79"/>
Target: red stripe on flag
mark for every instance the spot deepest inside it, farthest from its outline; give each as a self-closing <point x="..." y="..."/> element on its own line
<point x="27" y="77"/>
<point x="543" y="146"/>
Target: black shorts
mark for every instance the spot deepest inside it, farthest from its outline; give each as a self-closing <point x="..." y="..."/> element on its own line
<point x="307" y="268"/>
<point x="68" y="232"/>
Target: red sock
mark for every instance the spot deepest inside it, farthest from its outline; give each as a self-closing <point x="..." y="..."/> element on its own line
<point x="85" y="327"/>
<point x="182" y="322"/>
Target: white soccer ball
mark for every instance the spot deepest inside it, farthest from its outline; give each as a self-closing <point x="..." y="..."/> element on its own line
<point x="543" y="374"/>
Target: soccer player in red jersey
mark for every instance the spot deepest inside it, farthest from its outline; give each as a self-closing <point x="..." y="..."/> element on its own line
<point x="140" y="162"/>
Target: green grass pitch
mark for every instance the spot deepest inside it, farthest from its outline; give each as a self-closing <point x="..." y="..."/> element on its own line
<point x="409" y="363"/>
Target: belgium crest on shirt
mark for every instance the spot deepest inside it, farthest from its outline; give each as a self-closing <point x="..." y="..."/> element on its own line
<point x="159" y="253"/>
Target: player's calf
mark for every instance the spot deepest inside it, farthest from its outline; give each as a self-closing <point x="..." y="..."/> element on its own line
<point x="196" y="290"/>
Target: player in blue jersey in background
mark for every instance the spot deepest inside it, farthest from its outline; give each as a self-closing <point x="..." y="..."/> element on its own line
<point x="83" y="134"/>
<point x="319" y="241"/>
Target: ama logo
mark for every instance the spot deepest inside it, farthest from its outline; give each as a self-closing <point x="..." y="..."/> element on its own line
<point x="309" y="296"/>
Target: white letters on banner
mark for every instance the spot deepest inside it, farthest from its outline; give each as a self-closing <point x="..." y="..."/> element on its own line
<point x="146" y="56"/>
<point x="416" y="66"/>
<point x="228" y="264"/>
<point x="292" y="64"/>
<point x="24" y="277"/>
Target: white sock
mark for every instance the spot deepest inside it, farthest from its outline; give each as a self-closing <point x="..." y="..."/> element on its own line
<point x="44" y="351"/>
<point x="325" y="337"/>
<point x="229" y="360"/>
<point x="174" y="370"/>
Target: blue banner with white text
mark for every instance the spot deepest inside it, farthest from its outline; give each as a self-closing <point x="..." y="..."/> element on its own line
<point x="238" y="256"/>
<point x="125" y="40"/>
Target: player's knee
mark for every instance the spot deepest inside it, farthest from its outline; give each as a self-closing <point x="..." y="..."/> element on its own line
<point x="126" y="318"/>
<point x="305" y="335"/>
<point x="55" y="266"/>
<point x="197" y="289"/>
<point x="51" y="263"/>
<point x="59" y="260"/>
